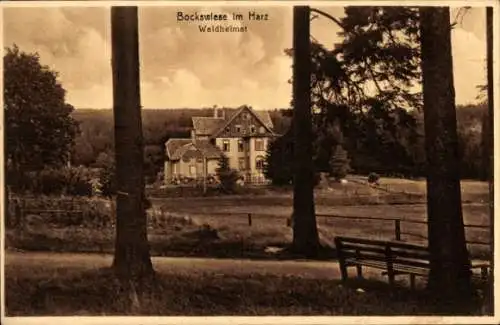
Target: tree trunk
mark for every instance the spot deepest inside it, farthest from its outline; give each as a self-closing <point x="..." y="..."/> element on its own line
<point x="489" y="143"/>
<point x="449" y="277"/>
<point x="305" y="232"/>
<point x="132" y="261"/>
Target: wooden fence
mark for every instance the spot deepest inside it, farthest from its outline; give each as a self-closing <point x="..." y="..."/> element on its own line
<point x="397" y="223"/>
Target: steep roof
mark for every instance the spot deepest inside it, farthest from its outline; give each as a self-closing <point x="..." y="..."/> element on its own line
<point x="206" y="125"/>
<point x="173" y="144"/>
<point x="208" y="149"/>
<point x="176" y="148"/>
<point x="263" y="117"/>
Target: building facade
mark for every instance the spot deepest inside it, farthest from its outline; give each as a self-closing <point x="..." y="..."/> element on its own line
<point x="242" y="135"/>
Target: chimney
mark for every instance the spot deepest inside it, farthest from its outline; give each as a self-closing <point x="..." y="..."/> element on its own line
<point x="193" y="136"/>
<point x="216" y="113"/>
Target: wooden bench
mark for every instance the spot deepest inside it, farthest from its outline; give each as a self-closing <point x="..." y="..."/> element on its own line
<point x="393" y="257"/>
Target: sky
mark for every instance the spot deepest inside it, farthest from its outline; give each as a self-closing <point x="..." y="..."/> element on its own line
<point x="183" y="67"/>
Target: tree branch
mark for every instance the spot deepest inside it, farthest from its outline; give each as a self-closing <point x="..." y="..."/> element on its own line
<point x="335" y="20"/>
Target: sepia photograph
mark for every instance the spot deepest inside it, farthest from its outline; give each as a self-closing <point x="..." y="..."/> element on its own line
<point x="247" y="159"/>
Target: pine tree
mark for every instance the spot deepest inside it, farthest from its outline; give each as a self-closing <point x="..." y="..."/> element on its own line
<point x="226" y="175"/>
<point x="279" y="158"/>
<point x="449" y="276"/>
<point x="339" y="163"/>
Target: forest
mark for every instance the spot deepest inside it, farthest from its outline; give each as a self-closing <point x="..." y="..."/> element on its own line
<point x="94" y="143"/>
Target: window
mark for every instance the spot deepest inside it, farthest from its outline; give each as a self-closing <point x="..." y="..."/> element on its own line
<point x="199" y="160"/>
<point x="241" y="164"/>
<point x="252" y="128"/>
<point x="228" y="129"/>
<point x="238" y="128"/>
<point x="259" y="144"/>
<point x="259" y="163"/>
<point x="225" y="146"/>
<point x="192" y="170"/>
<point x="245" y="116"/>
<point x="241" y="147"/>
<point x="262" y="130"/>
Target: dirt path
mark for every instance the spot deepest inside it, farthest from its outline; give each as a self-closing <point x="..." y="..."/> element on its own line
<point x="178" y="265"/>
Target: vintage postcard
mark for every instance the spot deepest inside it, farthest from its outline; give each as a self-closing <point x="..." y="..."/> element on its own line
<point x="249" y="162"/>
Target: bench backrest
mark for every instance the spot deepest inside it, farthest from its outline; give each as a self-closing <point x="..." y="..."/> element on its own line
<point x="388" y="251"/>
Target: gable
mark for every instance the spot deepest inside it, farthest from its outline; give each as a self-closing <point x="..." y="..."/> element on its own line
<point x="246" y="122"/>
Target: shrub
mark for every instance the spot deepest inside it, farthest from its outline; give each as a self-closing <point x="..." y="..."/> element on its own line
<point x="228" y="177"/>
<point x="339" y="163"/>
<point x="82" y="211"/>
<point x="279" y="159"/>
<point x="107" y="180"/>
<point x="63" y="181"/>
<point x="373" y="178"/>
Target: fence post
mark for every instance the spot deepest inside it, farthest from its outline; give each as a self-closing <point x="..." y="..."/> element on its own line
<point x="20" y="217"/>
<point x="397" y="228"/>
<point x="250" y="219"/>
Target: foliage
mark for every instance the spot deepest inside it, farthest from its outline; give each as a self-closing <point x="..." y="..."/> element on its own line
<point x="57" y="181"/>
<point x="339" y="163"/>
<point x="90" y="212"/>
<point x="153" y="162"/>
<point x="279" y="157"/>
<point x="373" y="178"/>
<point x="227" y="176"/>
<point x="327" y="137"/>
<point x="107" y="178"/>
<point x="104" y="159"/>
<point x="96" y="126"/>
<point x="364" y="85"/>
<point x="39" y="129"/>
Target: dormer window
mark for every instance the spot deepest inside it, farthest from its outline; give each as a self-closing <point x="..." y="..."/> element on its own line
<point x="252" y="129"/>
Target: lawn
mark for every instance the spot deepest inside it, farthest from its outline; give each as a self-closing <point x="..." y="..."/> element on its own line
<point x="81" y="285"/>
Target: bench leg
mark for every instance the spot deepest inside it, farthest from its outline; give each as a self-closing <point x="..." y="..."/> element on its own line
<point x="391" y="277"/>
<point x="343" y="270"/>
<point x="484" y="273"/>
<point x="412" y="281"/>
<point x="359" y="271"/>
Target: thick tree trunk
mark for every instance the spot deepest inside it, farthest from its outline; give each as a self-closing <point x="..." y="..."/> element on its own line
<point x="449" y="276"/>
<point x="489" y="139"/>
<point x="132" y="261"/>
<point x="305" y="232"/>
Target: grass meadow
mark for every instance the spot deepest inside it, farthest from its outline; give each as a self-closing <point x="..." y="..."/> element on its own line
<point x="218" y="227"/>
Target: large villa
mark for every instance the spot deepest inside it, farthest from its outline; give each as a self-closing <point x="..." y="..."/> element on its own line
<point x="242" y="135"/>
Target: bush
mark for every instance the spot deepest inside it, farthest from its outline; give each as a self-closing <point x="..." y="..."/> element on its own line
<point x="373" y="178"/>
<point x="339" y="163"/>
<point x="278" y="167"/>
<point x="81" y="211"/>
<point x="64" y="181"/>
<point x="228" y="177"/>
<point x="107" y="180"/>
